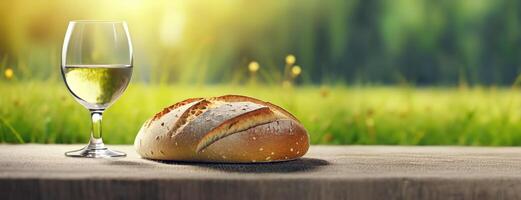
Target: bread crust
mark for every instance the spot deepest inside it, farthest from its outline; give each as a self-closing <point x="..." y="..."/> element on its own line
<point x="231" y="128"/>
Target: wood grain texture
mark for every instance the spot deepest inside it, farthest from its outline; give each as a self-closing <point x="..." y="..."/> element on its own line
<point x="326" y="172"/>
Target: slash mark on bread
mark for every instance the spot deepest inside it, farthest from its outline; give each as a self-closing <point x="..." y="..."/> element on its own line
<point x="239" y="98"/>
<point x="169" y="108"/>
<point x="237" y="124"/>
<point x="189" y="114"/>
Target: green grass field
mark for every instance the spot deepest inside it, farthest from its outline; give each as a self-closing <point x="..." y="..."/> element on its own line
<point x="44" y="112"/>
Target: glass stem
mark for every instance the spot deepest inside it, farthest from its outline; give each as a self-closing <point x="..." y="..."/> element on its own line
<point x="95" y="135"/>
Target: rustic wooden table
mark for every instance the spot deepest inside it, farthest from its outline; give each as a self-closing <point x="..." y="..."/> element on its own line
<point x="326" y="172"/>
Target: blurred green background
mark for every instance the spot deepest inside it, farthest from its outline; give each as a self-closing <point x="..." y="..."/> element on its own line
<point x="409" y="72"/>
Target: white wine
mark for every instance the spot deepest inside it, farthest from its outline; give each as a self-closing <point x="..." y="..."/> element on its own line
<point x="97" y="86"/>
<point x="96" y="65"/>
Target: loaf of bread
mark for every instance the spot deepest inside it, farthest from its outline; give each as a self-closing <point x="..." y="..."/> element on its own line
<point x="229" y="128"/>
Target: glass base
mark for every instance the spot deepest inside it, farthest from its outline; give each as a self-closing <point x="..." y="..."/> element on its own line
<point x="95" y="149"/>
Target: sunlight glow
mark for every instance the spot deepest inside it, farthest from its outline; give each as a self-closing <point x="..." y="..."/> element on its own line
<point x="172" y="26"/>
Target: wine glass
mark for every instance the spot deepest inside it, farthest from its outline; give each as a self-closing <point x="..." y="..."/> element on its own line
<point x="96" y="66"/>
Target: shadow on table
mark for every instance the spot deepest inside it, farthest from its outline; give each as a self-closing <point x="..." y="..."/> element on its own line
<point x="127" y="163"/>
<point x="298" y="165"/>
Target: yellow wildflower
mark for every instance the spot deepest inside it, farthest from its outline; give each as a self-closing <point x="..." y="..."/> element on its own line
<point x="296" y="70"/>
<point x="8" y="73"/>
<point x="253" y="66"/>
<point x="290" y="59"/>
